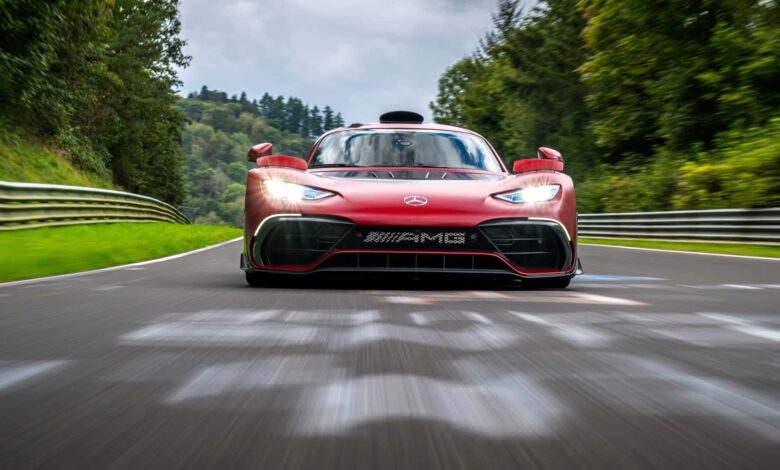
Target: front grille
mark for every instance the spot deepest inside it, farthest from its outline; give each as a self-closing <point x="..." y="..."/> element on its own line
<point x="415" y="262"/>
<point x="396" y="238"/>
<point x="530" y="245"/>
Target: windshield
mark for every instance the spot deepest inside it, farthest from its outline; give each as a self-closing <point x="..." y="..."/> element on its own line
<point x="405" y="148"/>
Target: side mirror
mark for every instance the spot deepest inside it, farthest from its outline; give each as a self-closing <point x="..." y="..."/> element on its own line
<point x="549" y="154"/>
<point x="283" y="161"/>
<point x="537" y="164"/>
<point x="260" y="150"/>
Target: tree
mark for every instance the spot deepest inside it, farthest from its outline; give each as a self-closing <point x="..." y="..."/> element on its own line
<point x="315" y="121"/>
<point x="293" y="115"/>
<point x="265" y="104"/>
<point x="677" y="74"/>
<point x="276" y="112"/>
<point x="328" y="122"/>
<point x="148" y="51"/>
<point x="306" y="122"/>
<point x="99" y="77"/>
<point x="548" y="99"/>
<point x="453" y="86"/>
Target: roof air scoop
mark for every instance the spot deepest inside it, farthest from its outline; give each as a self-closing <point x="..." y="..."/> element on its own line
<point x="401" y="117"/>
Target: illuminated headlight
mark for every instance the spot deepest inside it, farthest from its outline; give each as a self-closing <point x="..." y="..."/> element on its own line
<point x="293" y="191"/>
<point x="531" y="194"/>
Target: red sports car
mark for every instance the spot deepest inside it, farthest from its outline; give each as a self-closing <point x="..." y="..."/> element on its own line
<point x="404" y="196"/>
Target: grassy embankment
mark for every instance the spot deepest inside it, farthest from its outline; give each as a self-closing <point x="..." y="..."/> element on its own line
<point x="58" y="250"/>
<point x="30" y="253"/>
<point x="31" y="159"/>
<point x="701" y="247"/>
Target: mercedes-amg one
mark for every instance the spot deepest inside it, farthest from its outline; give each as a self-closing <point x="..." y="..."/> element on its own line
<point x="409" y="197"/>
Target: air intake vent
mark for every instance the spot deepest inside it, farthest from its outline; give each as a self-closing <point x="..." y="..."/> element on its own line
<point x="401" y="117"/>
<point x="530" y="245"/>
<point x="297" y="240"/>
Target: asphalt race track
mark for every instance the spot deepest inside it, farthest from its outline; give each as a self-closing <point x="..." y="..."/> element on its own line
<point x="651" y="360"/>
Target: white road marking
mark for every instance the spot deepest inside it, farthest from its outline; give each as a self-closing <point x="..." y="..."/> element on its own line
<point x="207" y="334"/>
<point x="727" y="286"/>
<point x="487" y="394"/>
<point x="607" y="286"/>
<point x="663" y="318"/>
<point x="423" y="318"/>
<point x="746" y="327"/>
<point x="713" y="396"/>
<point x="713" y="336"/>
<point x="106" y="288"/>
<point x="762" y="258"/>
<point x="219" y="328"/>
<point x="604" y="300"/>
<point x="514" y="406"/>
<point x="531" y="318"/>
<point x="472" y="338"/>
<point x="406" y="299"/>
<point x="229" y="317"/>
<point x="284" y="371"/>
<point x="328" y="401"/>
<point x="759" y="332"/>
<point x="525" y="297"/>
<point x="586" y="337"/>
<point x="640" y="385"/>
<point x="478" y="317"/>
<point x="17" y="373"/>
<point x="613" y="278"/>
<point x="334" y="317"/>
<point x="477" y="294"/>
<point x="575" y="335"/>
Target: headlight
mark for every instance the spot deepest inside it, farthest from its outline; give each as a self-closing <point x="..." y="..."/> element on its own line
<point x="530" y="195"/>
<point x="293" y="191"/>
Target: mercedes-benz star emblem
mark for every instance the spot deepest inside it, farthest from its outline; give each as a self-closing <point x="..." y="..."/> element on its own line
<point x="415" y="201"/>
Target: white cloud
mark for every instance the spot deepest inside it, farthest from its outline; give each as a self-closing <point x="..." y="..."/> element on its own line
<point x="361" y="57"/>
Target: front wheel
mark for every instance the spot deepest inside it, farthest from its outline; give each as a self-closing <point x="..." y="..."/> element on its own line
<point x="554" y="283"/>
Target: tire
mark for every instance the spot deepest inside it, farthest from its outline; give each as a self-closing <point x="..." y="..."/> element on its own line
<point x="554" y="283"/>
<point x="256" y="279"/>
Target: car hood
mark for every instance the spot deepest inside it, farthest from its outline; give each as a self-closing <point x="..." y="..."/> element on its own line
<point x="380" y="201"/>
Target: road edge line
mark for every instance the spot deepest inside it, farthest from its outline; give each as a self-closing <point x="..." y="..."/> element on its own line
<point x="683" y="251"/>
<point x="56" y="277"/>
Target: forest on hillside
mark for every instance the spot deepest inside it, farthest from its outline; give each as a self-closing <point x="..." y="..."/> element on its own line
<point x="96" y="82"/>
<point x="218" y="134"/>
<point x="655" y="104"/>
<point x="98" y="79"/>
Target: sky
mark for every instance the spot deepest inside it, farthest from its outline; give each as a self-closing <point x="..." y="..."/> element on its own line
<point x="361" y="57"/>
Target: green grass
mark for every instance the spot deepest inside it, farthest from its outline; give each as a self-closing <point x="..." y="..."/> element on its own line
<point x="47" y="251"/>
<point x="30" y="159"/>
<point x="701" y="247"/>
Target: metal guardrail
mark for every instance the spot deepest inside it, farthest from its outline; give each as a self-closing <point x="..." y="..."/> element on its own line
<point x="739" y="225"/>
<point x="30" y="205"/>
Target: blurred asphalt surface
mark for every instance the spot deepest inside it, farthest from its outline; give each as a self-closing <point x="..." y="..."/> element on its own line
<point x="650" y="360"/>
